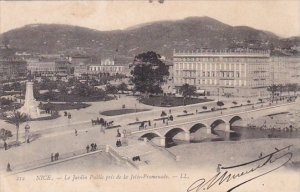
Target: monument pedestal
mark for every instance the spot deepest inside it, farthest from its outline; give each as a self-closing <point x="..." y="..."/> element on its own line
<point x="30" y="107"/>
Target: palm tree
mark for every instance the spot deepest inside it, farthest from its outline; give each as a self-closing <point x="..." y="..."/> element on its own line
<point x="17" y="118"/>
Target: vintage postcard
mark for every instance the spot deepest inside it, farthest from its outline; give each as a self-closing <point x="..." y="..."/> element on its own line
<point x="150" y="95"/>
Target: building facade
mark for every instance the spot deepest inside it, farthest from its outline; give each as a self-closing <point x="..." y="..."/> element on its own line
<point x="12" y="68"/>
<point x="49" y="67"/>
<point x="228" y="73"/>
<point x="285" y="70"/>
<point x="110" y="67"/>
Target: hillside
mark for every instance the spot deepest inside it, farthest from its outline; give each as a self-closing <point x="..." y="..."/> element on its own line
<point x="162" y="37"/>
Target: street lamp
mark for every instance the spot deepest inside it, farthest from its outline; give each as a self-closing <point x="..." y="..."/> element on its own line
<point x="27" y="128"/>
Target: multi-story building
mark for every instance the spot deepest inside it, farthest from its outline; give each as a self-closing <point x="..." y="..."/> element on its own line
<point x="111" y="67"/>
<point x="231" y="73"/>
<point x="79" y="59"/>
<point x="11" y="66"/>
<point x="12" y="69"/>
<point x="49" y="67"/>
<point x="284" y="70"/>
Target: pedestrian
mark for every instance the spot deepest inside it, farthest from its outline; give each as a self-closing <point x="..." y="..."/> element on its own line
<point x="87" y="148"/>
<point x="95" y="146"/>
<point x="8" y="169"/>
<point x="92" y="146"/>
<point x="149" y="123"/>
<point x="5" y="145"/>
<point x="75" y="132"/>
<point x="118" y="143"/>
<point x="55" y="157"/>
<point x="52" y="157"/>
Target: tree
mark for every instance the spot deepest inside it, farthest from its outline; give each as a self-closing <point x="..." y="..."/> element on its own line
<point x="280" y="88"/>
<point x="272" y="89"/>
<point x="17" y="118"/>
<point x="187" y="91"/>
<point x="63" y="89"/>
<point x="292" y="87"/>
<point x="149" y="72"/>
<point x="123" y="87"/>
<point x="220" y="104"/>
<point x="110" y="89"/>
<point x="82" y="89"/>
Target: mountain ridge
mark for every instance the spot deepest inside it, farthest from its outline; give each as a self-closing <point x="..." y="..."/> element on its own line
<point x="162" y="37"/>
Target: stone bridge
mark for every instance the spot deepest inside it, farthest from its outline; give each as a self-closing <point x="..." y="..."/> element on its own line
<point x="207" y="124"/>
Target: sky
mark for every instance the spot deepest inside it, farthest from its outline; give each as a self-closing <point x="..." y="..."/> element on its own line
<point x="281" y="17"/>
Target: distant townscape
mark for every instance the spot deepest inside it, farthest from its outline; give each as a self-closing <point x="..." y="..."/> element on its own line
<point x="141" y="97"/>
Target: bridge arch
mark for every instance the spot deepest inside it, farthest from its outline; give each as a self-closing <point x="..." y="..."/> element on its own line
<point x="235" y="119"/>
<point x="174" y="131"/>
<point x="198" y="126"/>
<point x="151" y="135"/>
<point x="218" y="123"/>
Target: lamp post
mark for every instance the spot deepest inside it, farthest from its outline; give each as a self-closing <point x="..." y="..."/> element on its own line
<point x="27" y="128"/>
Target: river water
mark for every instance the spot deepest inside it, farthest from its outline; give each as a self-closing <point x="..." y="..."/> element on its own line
<point x="237" y="134"/>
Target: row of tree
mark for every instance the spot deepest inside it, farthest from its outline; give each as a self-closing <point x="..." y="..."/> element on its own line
<point x="278" y="89"/>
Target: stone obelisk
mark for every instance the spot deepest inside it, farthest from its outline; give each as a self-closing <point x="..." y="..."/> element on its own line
<point x="31" y="105"/>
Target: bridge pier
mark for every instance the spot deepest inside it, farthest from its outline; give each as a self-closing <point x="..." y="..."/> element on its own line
<point x="162" y="141"/>
<point x="227" y="127"/>
<point x="187" y="136"/>
<point x="208" y="130"/>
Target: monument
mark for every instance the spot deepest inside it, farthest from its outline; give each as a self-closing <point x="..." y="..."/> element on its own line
<point x="31" y="105"/>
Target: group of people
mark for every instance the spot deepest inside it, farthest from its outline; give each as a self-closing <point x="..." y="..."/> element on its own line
<point x="118" y="143"/>
<point x="92" y="148"/>
<point x="66" y="114"/>
<point x="144" y="124"/>
<point x="54" y="157"/>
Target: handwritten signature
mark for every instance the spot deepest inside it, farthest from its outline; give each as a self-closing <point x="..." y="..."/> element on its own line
<point x="227" y="176"/>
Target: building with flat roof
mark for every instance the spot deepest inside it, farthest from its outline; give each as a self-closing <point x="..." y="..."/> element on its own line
<point x="230" y="73"/>
<point x="284" y="70"/>
<point x="111" y="67"/>
<point x="49" y="66"/>
<point x="12" y="69"/>
<point x="11" y="66"/>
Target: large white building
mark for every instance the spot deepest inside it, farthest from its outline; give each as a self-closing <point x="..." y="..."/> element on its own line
<point x="285" y="70"/>
<point x="110" y="67"/>
<point x="231" y="73"/>
<point x="48" y="66"/>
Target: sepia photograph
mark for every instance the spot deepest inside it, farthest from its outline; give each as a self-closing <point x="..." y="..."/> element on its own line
<point x="150" y="95"/>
